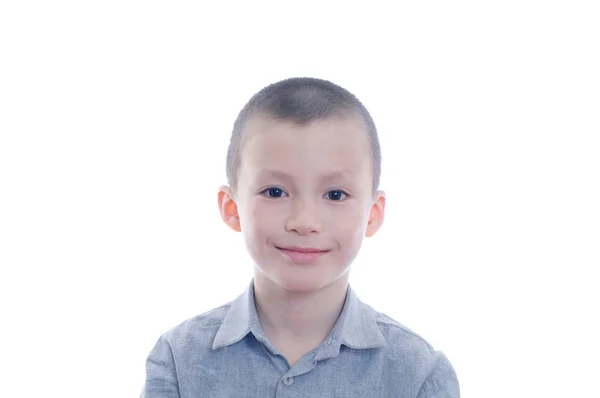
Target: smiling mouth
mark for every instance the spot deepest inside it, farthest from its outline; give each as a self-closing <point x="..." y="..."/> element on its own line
<point x="302" y="254"/>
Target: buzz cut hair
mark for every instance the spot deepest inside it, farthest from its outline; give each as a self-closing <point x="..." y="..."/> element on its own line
<point x="300" y="100"/>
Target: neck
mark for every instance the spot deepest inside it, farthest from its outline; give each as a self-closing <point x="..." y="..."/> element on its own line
<point x="300" y="318"/>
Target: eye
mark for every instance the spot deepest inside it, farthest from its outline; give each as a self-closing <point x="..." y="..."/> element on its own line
<point x="273" y="192"/>
<point x="336" y="195"/>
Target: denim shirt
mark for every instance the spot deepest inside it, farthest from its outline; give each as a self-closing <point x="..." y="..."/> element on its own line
<point x="224" y="353"/>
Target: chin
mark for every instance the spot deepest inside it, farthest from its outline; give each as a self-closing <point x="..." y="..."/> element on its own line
<point x="300" y="278"/>
<point x="305" y="283"/>
<point x="296" y="286"/>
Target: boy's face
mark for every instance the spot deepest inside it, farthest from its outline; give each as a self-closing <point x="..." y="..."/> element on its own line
<point x="304" y="200"/>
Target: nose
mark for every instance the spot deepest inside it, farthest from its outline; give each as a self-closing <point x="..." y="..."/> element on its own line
<point x="303" y="218"/>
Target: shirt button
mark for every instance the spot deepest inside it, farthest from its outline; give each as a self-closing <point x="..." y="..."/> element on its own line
<point x="288" y="381"/>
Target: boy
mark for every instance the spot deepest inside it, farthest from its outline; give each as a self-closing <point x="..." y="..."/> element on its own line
<point x="303" y="168"/>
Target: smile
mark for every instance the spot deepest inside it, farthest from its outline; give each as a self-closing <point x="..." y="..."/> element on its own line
<point x="301" y="254"/>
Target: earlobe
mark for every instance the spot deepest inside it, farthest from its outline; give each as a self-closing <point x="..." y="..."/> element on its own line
<point x="376" y="215"/>
<point x="228" y="209"/>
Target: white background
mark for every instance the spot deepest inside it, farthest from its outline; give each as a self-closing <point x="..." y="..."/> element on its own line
<point x="114" y="123"/>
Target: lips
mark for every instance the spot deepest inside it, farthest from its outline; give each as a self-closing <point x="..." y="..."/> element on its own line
<point x="302" y="254"/>
<point x="302" y="249"/>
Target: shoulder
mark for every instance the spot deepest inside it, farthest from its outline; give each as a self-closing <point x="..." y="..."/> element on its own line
<point x="179" y="353"/>
<point x="197" y="331"/>
<point x="400" y="338"/>
<point x="405" y="346"/>
<point x="431" y="367"/>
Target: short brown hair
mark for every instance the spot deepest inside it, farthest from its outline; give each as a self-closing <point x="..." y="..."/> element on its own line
<point x="300" y="100"/>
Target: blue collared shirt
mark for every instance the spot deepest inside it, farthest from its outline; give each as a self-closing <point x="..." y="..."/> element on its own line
<point x="224" y="353"/>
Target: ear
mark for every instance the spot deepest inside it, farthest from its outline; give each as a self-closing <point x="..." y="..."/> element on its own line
<point x="376" y="215"/>
<point x="229" y="209"/>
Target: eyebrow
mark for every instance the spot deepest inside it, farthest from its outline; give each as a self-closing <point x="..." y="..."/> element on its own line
<point x="336" y="175"/>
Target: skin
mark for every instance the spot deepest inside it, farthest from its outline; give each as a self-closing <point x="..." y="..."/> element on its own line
<point x="303" y="186"/>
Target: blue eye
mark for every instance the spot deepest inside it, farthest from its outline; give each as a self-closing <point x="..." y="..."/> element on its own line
<point x="336" y="195"/>
<point x="273" y="192"/>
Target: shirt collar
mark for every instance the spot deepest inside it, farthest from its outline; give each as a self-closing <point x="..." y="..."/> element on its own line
<point x="240" y="319"/>
<point x="356" y="327"/>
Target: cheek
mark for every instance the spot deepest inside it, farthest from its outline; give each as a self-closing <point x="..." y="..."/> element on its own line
<point x="261" y="218"/>
<point x="350" y="222"/>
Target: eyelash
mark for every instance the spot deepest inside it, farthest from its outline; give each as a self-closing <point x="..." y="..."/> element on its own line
<point x="264" y="192"/>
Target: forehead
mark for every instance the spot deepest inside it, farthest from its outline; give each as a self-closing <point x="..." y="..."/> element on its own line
<point x="324" y="146"/>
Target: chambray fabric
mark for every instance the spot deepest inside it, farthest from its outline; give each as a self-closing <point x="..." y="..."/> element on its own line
<point x="224" y="353"/>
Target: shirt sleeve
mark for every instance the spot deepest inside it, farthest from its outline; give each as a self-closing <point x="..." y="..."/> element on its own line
<point x="161" y="375"/>
<point x="441" y="382"/>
